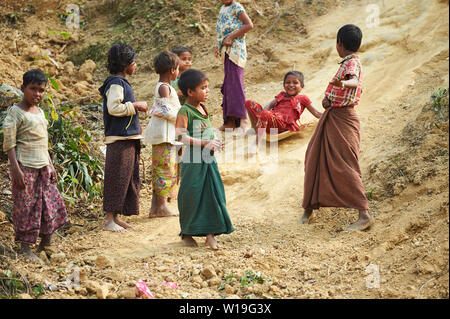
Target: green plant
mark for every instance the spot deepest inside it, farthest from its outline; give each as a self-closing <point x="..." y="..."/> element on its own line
<point x="250" y="278"/>
<point x="38" y="290"/>
<point x="10" y="285"/>
<point x="369" y="194"/>
<point x="437" y="98"/>
<point x="80" y="174"/>
<point x="66" y="35"/>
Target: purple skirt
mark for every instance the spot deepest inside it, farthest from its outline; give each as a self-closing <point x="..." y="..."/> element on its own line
<point x="233" y="103"/>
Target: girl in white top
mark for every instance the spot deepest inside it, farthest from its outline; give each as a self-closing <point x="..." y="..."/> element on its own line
<point x="160" y="133"/>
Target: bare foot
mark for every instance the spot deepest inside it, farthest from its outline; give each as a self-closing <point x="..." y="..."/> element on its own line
<point x="159" y="208"/>
<point x="364" y="221"/>
<point x="122" y="223"/>
<point x="189" y="241"/>
<point x="110" y="224"/>
<point x="29" y="255"/>
<point x="224" y="127"/>
<point x="211" y="242"/>
<point x="307" y="214"/>
<point x="166" y="212"/>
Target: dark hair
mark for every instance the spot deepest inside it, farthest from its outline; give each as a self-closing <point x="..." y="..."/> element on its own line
<point x="299" y="75"/>
<point x="179" y="50"/>
<point x="165" y="61"/>
<point x="34" y="76"/>
<point x="190" y="79"/>
<point x="350" y="36"/>
<point x="120" y="55"/>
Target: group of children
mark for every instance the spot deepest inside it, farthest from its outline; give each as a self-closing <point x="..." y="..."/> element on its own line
<point x="180" y="126"/>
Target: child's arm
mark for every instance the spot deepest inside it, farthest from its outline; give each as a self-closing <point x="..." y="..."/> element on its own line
<point x="171" y="113"/>
<point x="53" y="175"/>
<point x="10" y="126"/>
<point x="247" y="25"/>
<point x="313" y="111"/>
<point x="115" y="106"/>
<point x="270" y="105"/>
<point x="183" y="136"/>
<point x="17" y="174"/>
<point x="351" y="83"/>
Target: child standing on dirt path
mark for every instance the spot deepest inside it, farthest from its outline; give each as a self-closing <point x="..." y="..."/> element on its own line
<point x="332" y="173"/>
<point x="122" y="138"/>
<point x="283" y="112"/>
<point x="232" y="25"/>
<point x="38" y="206"/>
<point x="185" y="56"/>
<point x="201" y="198"/>
<point x="160" y="133"/>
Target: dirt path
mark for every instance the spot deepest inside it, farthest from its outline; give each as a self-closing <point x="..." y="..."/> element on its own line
<point x="405" y="59"/>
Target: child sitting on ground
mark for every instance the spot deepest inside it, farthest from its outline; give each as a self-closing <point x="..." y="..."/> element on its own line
<point x="185" y="56"/>
<point x="160" y="133"/>
<point x="38" y="207"/>
<point x="283" y="112"/>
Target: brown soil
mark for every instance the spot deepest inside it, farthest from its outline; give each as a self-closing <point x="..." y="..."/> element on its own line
<point x="404" y="160"/>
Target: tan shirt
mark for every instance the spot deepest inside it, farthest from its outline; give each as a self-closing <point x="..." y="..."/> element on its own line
<point x="117" y="108"/>
<point x="27" y="132"/>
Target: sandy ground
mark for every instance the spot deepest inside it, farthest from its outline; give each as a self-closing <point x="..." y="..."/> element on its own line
<point x="404" y="255"/>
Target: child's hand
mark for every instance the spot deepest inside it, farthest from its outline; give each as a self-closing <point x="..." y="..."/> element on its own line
<point x="326" y="103"/>
<point x="228" y="41"/>
<point x="141" y="106"/>
<point x="53" y="175"/>
<point x="337" y="83"/>
<point x="214" y="145"/>
<point x="19" y="179"/>
<point x="216" y="52"/>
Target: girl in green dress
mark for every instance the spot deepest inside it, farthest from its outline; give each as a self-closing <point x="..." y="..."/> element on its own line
<point x="201" y="197"/>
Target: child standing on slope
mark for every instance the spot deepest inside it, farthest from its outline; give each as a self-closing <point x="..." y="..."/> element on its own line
<point x="38" y="207"/>
<point x="185" y="56"/>
<point x="160" y="133"/>
<point x="201" y="198"/>
<point x="332" y="174"/>
<point x="122" y="138"/>
<point x="232" y="25"/>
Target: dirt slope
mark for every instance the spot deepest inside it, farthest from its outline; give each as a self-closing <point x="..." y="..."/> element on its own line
<point x="404" y="159"/>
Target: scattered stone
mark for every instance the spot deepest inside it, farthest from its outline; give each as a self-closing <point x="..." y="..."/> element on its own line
<point x="102" y="292"/>
<point x="86" y="71"/>
<point x="25" y="296"/>
<point x="232" y="297"/>
<point x="58" y="257"/>
<point x="214" y="282"/>
<point x="128" y="293"/>
<point x="209" y="272"/>
<point x="44" y="257"/>
<point x="92" y="286"/>
<point x="103" y="261"/>
<point x="6" y="192"/>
